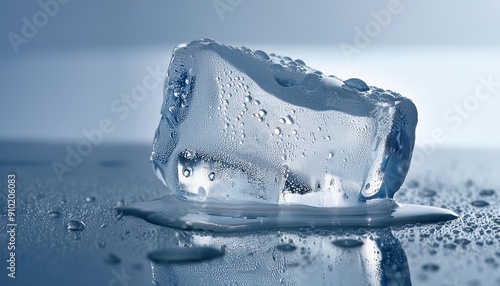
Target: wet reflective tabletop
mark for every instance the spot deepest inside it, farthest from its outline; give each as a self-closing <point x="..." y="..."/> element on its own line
<point x="69" y="233"/>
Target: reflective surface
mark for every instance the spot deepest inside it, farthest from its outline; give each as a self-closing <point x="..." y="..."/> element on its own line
<point x="113" y="250"/>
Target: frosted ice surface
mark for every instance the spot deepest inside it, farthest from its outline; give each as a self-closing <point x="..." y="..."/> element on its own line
<point x="243" y="125"/>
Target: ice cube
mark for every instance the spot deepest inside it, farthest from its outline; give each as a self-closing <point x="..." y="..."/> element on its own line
<point x="241" y="125"/>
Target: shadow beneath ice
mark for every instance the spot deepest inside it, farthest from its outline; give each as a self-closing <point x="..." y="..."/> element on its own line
<point x="308" y="256"/>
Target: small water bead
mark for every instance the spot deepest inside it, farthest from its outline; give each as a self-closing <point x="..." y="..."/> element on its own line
<point x="428" y="193"/>
<point x="187" y="172"/>
<point x="480" y="203"/>
<point x="248" y="98"/>
<point x="185" y="254"/>
<point x="286" y="247"/>
<point x="112" y="259"/>
<point x="450" y="246"/>
<point x="54" y="214"/>
<point x="430" y="267"/>
<point x="90" y="199"/>
<point x="282" y="120"/>
<point x="262" y="112"/>
<point x="413" y="184"/>
<point x="462" y="241"/>
<point x="261" y="55"/>
<point x="487" y="192"/>
<point x="189" y="154"/>
<point x="75" y="225"/>
<point x="277" y="68"/>
<point x="311" y="84"/>
<point x="357" y="84"/>
<point x="347" y="243"/>
<point x="277" y="131"/>
<point x="300" y="62"/>
<point x="202" y="193"/>
<point x="211" y="176"/>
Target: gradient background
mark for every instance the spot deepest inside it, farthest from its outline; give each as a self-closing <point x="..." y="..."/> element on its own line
<point x="67" y="77"/>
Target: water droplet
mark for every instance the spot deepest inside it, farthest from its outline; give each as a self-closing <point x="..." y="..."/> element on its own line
<point x="90" y="199"/>
<point x="277" y="68"/>
<point x="357" y="84"/>
<point x="430" y="267"/>
<point x="211" y="176"/>
<point x="54" y="214"/>
<point x="184" y="254"/>
<point x="347" y="243"/>
<point x="413" y="184"/>
<point x="277" y="131"/>
<point x="112" y="259"/>
<point x="120" y="203"/>
<point x="286" y="247"/>
<point x="480" y="203"/>
<point x="262" y="112"/>
<point x="487" y="192"/>
<point x="311" y="83"/>
<point x="186" y="172"/>
<point x="450" y="246"/>
<point x="462" y="241"/>
<point x="248" y="98"/>
<point x="202" y="193"/>
<point x="367" y="186"/>
<point x="330" y="155"/>
<point x="294" y="132"/>
<point x="428" y="193"/>
<point x="75" y="225"/>
<point x="261" y="55"/>
<point x="189" y="154"/>
<point x="300" y="62"/>
<point x="282" y="120"/>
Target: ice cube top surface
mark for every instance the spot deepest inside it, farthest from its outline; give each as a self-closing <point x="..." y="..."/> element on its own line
<point x="240" y="125"/>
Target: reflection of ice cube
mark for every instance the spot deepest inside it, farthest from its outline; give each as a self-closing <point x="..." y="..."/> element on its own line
<point x="307" y="257"/>
<point x="241" y="125"/>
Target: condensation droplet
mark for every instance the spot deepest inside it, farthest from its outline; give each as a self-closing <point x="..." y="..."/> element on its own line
<point x="75" y="225"/>
<point x="347" y="243"/>
<point x="211" y="176"/>
<point x="480" y="203"/>
<point x="54" y="214"/>
<point x="186" y="172"/>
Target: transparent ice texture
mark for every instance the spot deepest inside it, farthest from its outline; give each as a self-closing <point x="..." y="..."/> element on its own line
<point x="239" y="125"/>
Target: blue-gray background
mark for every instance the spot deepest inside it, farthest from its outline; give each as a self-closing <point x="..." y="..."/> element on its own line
<point x="73" y="71"/>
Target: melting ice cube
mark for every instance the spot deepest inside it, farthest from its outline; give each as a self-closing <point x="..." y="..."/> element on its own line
<point x="239" y="125"/>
